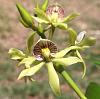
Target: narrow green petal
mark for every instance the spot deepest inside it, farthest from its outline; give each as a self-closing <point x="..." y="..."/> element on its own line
<point x="66" y="50"/>
<point x="30" y="42"/>
<point x="40" y="20"/>
<point x="84" y="65"/>
<point x="27" y="61"/>
<point x="72" y="36"/>
<point x="67" y="61"/>
<point x="53" y="78"/>
<point x="87" y="42"/>
<point x="71" y="17"/>
<point x="16" y="54"/>
<point x="44" y="5"/>
<point x="31" y="71"/>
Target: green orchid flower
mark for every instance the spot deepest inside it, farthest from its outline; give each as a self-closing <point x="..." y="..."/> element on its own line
<point x="45" y="54"/>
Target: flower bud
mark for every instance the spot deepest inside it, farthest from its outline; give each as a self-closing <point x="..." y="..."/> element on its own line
<point x="55" y="12"/>
<point x="26" y="17"/>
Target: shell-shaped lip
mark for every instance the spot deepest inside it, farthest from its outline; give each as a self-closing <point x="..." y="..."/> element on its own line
<point x="55" y="9"/>
<point x="41" y="44"/>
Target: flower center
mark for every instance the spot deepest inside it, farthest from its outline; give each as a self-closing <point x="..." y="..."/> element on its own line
<point x="45" y="52"/>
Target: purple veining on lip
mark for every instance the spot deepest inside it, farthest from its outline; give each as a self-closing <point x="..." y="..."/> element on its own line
<point x="41" y="44"/>
<point x="55" y="9"/>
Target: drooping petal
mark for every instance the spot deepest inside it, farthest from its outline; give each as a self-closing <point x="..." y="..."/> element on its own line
<point x="27" y="61"/>
<point x="30" y="71"/>
<point x="84" y="65"/>
<point x="53" y="78"/>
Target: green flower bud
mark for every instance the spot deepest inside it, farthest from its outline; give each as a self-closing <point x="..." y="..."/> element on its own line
<point x="26" y="17"/>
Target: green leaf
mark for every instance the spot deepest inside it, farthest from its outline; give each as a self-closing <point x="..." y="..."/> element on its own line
<point x="44" y="5"/>
<point x="71" y="17"/>
<point x="97" y="62"/>
<point x="26" y="17"/>
<point x="66" y="61"/>
<point x="30" y="42"/>
<point x="84" y="65"/>
<point x="40" y="20"/>
<point x="86" y="42"/>
<point x="53" y="78"/>
<point x="16" y="54"/>
<point x="62" y="53"/>
<point x="93" y="91"/>
<point x="61" y="25"/>
<point x="27" y="61"/>
<point x="30" y="71"/>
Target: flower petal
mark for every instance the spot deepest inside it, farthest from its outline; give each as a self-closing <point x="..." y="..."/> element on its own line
<point x="31" y="71"/>
<point x="53" y="78"/>
<point x="65" y="51"/>
<point x="67" y="61"/>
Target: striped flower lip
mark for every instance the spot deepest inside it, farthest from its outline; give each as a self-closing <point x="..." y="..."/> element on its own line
<point x="55" y="9"/>
<point x="43" y="48"/>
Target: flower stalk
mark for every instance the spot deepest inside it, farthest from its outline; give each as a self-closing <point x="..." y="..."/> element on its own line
<point x="73" y="84"/>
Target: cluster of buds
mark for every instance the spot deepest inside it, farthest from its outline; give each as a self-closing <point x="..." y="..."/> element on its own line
<point x="45" y="52"/>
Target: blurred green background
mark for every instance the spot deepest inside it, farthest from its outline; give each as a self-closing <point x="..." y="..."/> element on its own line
<point x="13" y="34"/>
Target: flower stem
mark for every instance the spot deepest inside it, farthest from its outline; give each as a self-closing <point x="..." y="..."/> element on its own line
<point x="72" y="84"/>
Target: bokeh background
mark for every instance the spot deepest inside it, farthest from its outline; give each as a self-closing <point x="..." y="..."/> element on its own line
<point x="13" y="34"/>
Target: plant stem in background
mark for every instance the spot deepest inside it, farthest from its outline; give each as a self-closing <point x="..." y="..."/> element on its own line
<point x="72" y="84"/>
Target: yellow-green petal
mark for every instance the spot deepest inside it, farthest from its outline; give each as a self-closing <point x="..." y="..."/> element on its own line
<point x="53" y="79"/>
<point x="67" y="61"/>
<point x="30" y="71"/>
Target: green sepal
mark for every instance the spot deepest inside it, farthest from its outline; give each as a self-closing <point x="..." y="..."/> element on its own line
<point x="44" y="5"/>
<point x="86" y="42"/>
<point x="26" y="17"/>
<point x="66" y="61"/>
<point x="60" y="25"/>
<point x="30" y="71"/>
<point x="62" y="53"/>
<point x="71" y="17"/>
<point x="27" y="61"/>
<point x="72" y="36"/>
<point x="53" y="79"/>
<point x="30" y="42"/>
<point x="84" y="65"/>
<point x="16" y="54"/>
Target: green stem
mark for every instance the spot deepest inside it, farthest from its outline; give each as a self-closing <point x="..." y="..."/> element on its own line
<point x="51" y="32"/>
<point x="72" y="84"/>
<point x="42" y="35"/>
